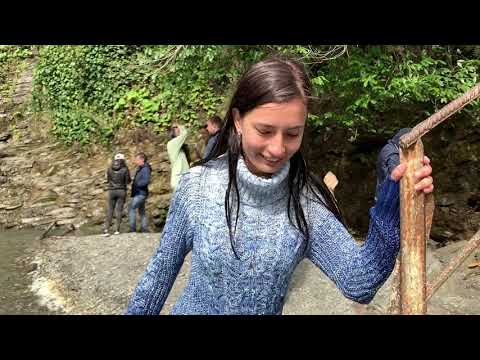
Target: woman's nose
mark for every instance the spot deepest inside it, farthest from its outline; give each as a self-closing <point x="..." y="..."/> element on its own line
<point x="277" y="147"/>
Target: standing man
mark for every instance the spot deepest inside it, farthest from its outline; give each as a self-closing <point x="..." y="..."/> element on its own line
<point x="214" y="125"/>
<point x="139" y="193"/>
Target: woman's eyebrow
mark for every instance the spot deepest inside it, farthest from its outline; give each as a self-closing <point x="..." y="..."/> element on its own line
<point x="272" y="127"/>
<point x="265" y="125"/>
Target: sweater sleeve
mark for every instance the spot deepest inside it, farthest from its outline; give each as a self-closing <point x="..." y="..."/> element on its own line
<point x="358" y="270"/>
<point x="174" y="146"/>
<point x="176" y="241"/>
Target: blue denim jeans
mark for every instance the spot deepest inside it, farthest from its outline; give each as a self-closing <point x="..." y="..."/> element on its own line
<point x="138" y="202"/>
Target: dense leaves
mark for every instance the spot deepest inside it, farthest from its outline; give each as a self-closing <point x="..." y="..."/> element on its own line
<point x="374" y="80"/>
<point x="92" y="91"/>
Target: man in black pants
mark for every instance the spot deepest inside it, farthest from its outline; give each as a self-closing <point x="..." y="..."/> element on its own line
<point x="118" y="177"/>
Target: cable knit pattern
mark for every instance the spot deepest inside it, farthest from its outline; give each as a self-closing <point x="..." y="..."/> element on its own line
<point x="269" y="247"/>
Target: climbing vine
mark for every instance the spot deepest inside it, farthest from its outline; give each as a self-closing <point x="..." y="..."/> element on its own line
<point x="92" y="91"/>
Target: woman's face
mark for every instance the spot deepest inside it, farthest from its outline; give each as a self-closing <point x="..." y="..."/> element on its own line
<point x="271" y="134"/>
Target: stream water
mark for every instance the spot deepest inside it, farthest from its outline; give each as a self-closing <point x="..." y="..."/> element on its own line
<point x="15" y="295"/>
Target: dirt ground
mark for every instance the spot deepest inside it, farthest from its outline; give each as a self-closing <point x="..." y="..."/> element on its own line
<point x="97" y="275"/>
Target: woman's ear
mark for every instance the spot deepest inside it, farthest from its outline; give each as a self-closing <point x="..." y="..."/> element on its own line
<point x="237" y="120"/>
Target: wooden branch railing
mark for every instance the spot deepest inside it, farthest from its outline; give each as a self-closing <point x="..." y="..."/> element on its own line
<point x="467" y="250"/>
<point x="410" y="291"/>
<point x="444" y="113"/>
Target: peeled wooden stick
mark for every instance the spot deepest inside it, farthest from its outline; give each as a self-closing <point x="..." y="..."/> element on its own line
<point x="470" y="247"/>
<point x="395" y="305"/>
<point x="331" y="181"/>
<point x="412" y="235"/>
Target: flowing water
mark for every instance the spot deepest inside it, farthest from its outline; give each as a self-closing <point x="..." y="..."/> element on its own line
<point x="16" y="298"/>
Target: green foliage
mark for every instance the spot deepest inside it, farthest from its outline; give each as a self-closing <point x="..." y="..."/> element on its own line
<point x="191" y="83"/>
<point x="92" y="91"/>
<point x="375" y="80"/>
<point x="77" y="125"/>
<point x="78" y="84"/>
<point x="134" y="85"/>
<point x="139" y="106"/>
<point x="11" y="52"/>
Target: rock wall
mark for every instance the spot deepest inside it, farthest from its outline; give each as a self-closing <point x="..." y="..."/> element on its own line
<point x="454" y="149"/>
<point x="43" y="182"/>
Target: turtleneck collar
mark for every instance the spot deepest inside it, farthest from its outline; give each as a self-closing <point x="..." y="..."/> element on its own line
<point x="256" y="190"/>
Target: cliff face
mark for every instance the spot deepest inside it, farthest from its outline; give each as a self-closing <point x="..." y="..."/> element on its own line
<point x="454" y="149"/>
<point x="44" y="182"/>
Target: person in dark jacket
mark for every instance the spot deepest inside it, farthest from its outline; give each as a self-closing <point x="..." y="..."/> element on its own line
<point x="118" y="177"/>
<point x="139" y="193"/>
<point x="214" y="125"/>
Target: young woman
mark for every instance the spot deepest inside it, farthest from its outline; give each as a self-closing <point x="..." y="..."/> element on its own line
<point x="118" y="177"/>
<point x="251" y="211"/>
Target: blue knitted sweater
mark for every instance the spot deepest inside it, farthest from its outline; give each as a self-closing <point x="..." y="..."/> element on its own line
<point x="269" y="247"/>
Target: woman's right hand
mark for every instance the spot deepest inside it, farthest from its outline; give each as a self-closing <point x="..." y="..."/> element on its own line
<point x="423" y="175"/>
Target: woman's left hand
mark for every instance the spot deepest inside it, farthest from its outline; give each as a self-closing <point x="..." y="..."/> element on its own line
<point x="424" y="179"/>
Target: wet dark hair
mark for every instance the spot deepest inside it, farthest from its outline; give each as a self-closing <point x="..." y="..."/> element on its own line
<point x="275" y="80"/>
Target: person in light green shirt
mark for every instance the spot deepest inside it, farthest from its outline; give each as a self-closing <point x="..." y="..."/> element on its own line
<point x="177" y="153"/>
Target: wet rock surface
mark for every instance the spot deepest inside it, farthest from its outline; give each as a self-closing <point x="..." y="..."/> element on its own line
<point x="47" y="182"/>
